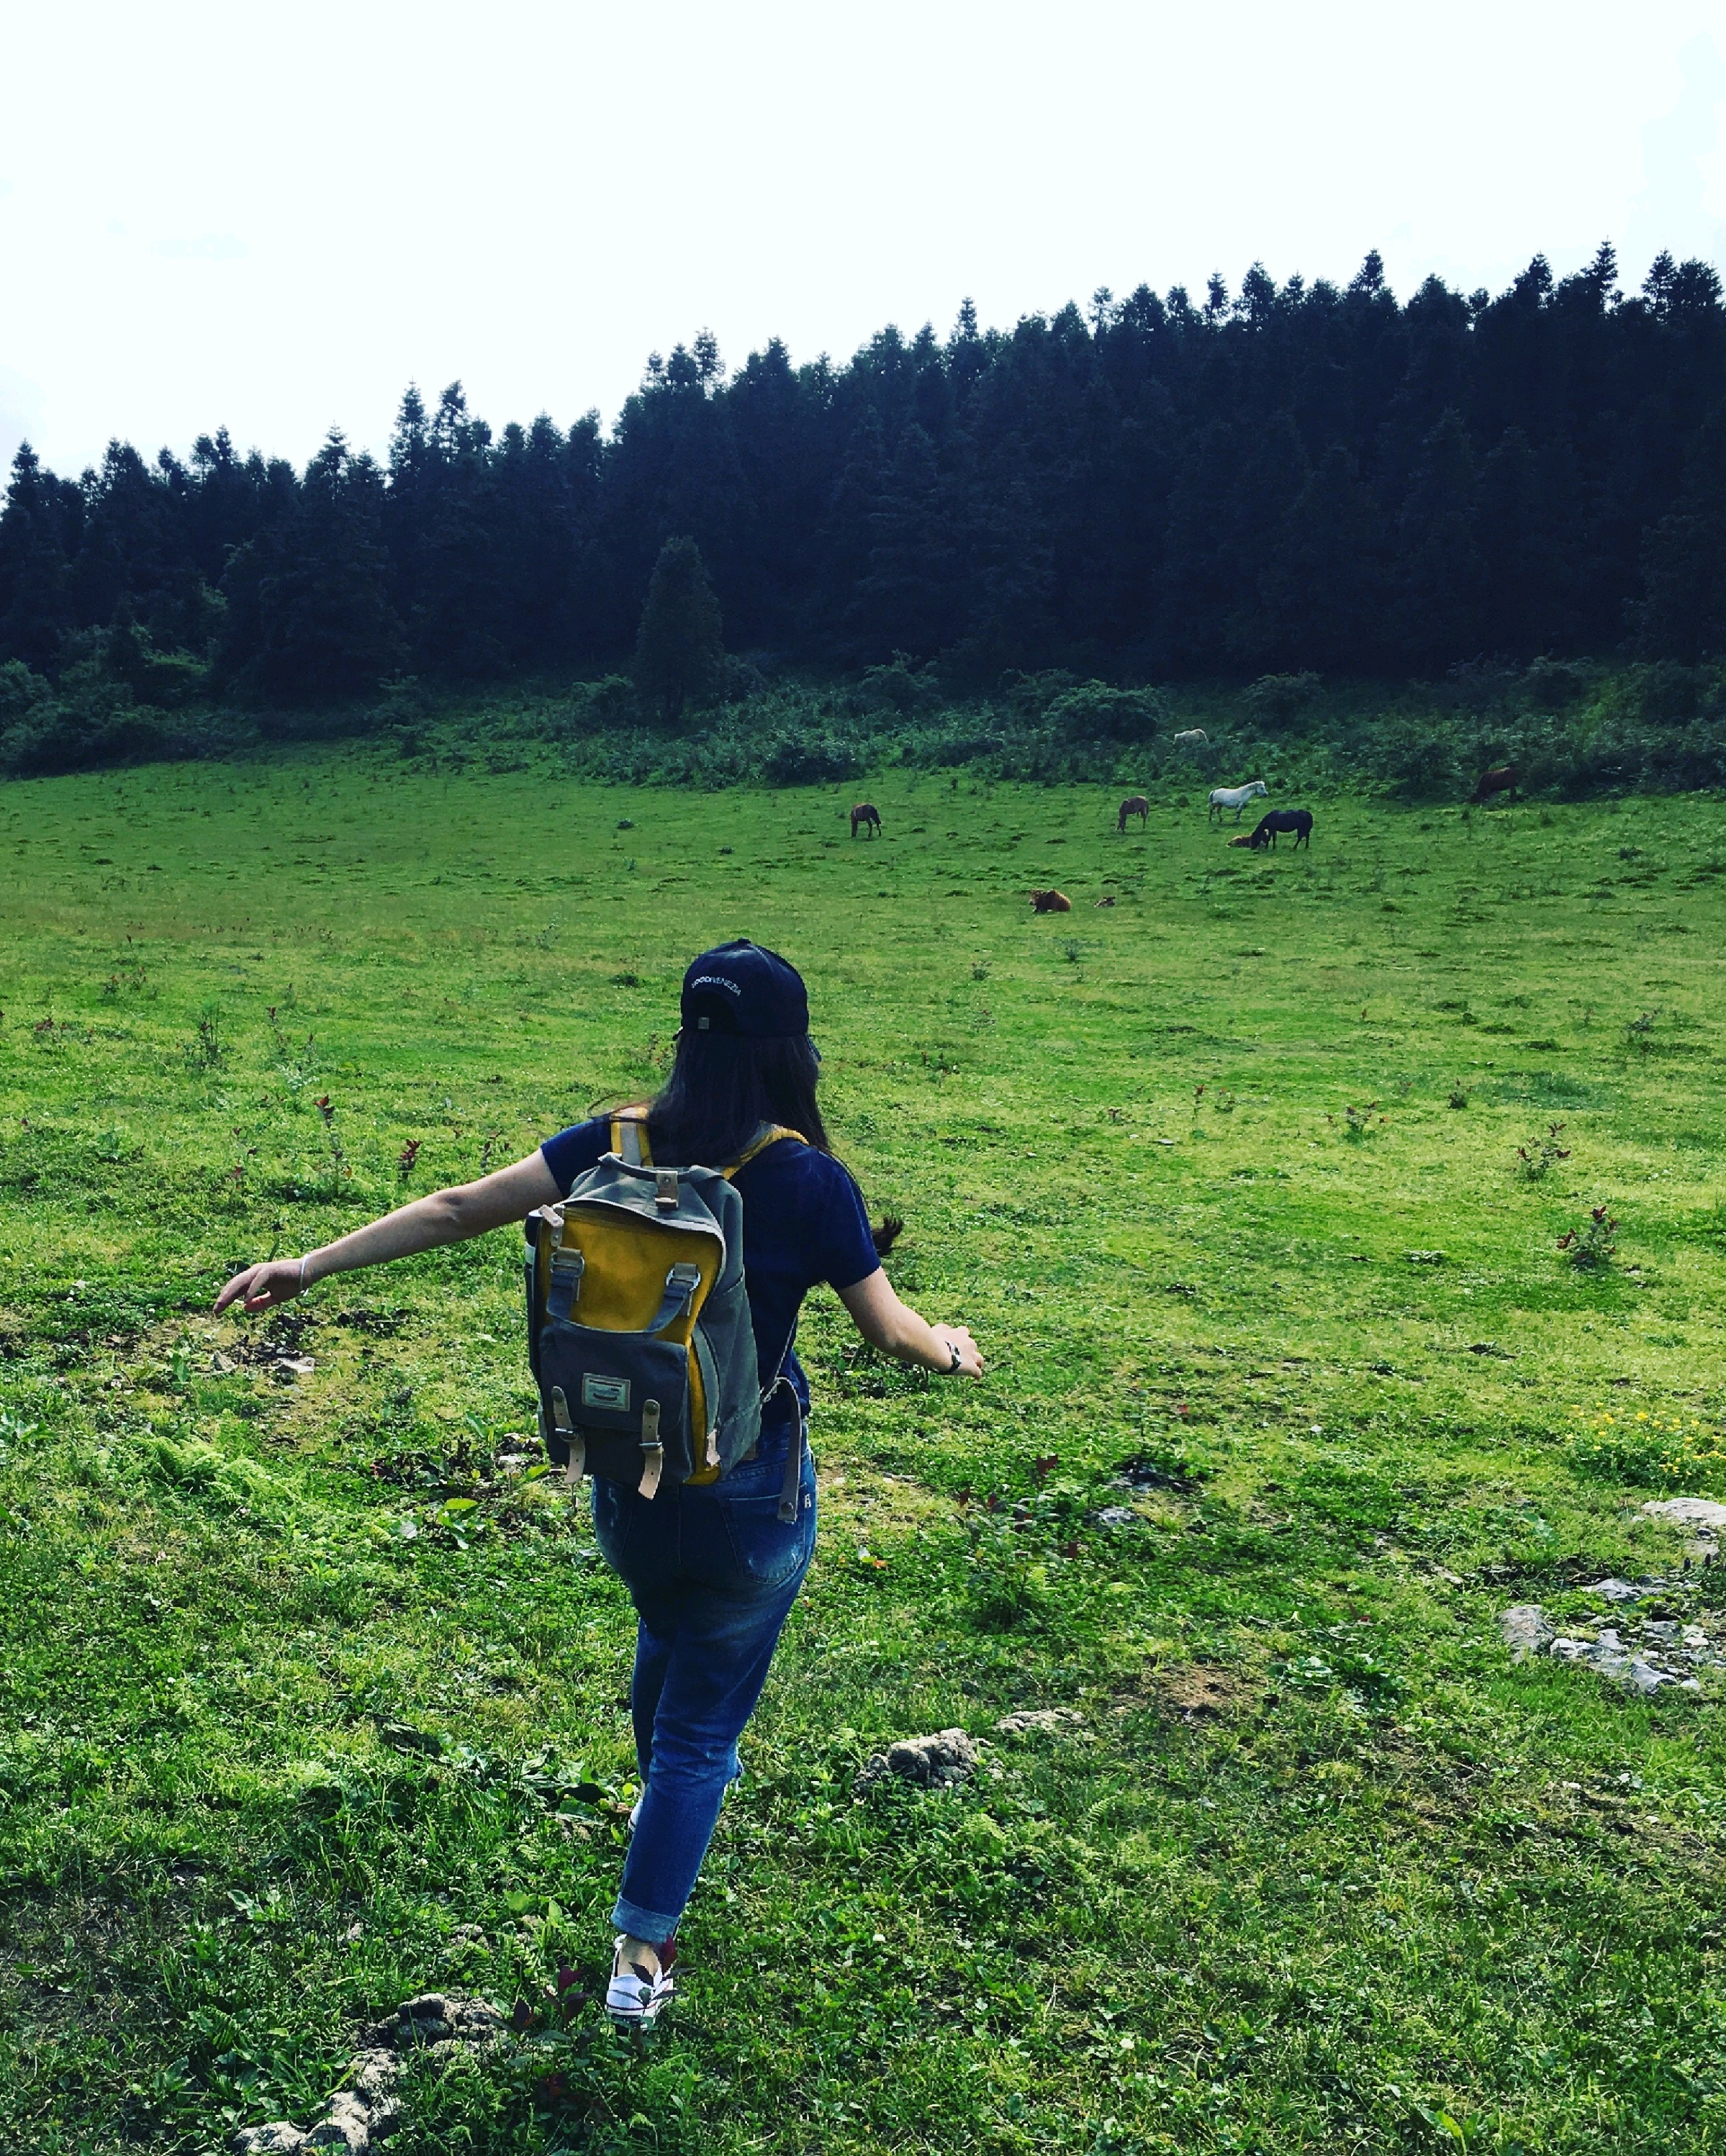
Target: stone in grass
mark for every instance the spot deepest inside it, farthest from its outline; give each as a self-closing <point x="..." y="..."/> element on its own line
<point x="1048" y="1721"/>
<point x="1116" y="1516"/>
<point x="1621" y="1590"/>
<point x="1526" y="1631"/>
<point x="1610" y="1657"/>
<point x="365" y="2109"/>
<point x="939" y="1762"/>
<point x="1700" y="1512"/>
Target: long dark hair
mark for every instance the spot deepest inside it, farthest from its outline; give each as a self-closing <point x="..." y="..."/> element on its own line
<point x="724" y="1086"/>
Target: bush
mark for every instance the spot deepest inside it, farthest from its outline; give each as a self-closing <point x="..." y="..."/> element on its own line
<point x="1094" y="711"/>
<point x="1029" y="695"/>
<point x="1666" y="693"/>
<point x="808" y="760"/>
<point x="736" y="680"/>
<point x="1277" y="700"/>
<point x="898" y="687"/>
<point x="1424" y="766"/>
<point x="1553" y="685"/>
<point x="21" y="694"/>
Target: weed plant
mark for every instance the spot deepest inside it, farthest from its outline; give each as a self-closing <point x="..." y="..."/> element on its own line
<point x="312" y="1690"/>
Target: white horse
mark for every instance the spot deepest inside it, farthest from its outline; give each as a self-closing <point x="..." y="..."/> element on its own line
<point x="1193" y="738"/>
<point x="1236" y="798"/>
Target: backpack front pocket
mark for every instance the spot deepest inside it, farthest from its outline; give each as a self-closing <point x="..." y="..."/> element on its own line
<point x="626" y="1393"/>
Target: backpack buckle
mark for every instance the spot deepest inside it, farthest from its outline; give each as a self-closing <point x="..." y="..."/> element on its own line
<point x="653" y="1452"/>
<point x="576" y="1459"/>
<point x="567" y="1266"/>
<point x="664" y="1189"/>
<point x="681" y="1285"/>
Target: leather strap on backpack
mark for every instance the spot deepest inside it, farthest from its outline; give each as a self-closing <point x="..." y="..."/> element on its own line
<point x="791" y="1489"/>
<point x="628" y="1136"/>
<point x="629" y="1140"/>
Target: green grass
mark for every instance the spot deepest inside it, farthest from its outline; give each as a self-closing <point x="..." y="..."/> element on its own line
<point x="283" y="1738"/>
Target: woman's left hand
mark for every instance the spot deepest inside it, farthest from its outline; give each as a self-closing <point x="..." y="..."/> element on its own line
<point x="970" y="1362"/>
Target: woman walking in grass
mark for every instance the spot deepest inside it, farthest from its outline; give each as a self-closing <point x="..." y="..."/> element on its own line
<point x="712" y="1566"/>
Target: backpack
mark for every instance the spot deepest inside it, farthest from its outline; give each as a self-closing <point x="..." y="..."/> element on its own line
<point x="639" y="1329"/>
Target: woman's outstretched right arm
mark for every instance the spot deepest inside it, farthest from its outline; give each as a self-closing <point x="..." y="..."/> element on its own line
<point x="446" y="1216"/>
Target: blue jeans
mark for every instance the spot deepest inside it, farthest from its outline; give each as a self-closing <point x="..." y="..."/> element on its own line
<point x="713" y="1573"/>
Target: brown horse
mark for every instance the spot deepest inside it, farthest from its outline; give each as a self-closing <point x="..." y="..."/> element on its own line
<point x="1502" y="778"/>
<point x="865" y="812"/>
<point x="1050" y="901"/>
<point x="1134" y="805"/>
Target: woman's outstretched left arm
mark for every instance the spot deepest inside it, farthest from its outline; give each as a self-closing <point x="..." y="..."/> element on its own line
<point x="446" y="1216"/>
<point x="896" y="1329"/>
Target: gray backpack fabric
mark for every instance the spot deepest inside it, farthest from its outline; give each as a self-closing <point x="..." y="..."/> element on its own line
<point x="639" y="1326"/>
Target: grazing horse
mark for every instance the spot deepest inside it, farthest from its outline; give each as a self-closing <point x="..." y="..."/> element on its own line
<point x="1236" y="798"/>
<point x="1134" y="805"/>
<point x="1297" y="820"/>
<point x="1502" y="778"/>
<point x="1050" y="901"/>
<point x="865" y="812"/>
<point x="1193" y="738"/>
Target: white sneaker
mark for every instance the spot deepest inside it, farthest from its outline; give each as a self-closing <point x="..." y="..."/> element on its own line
<point x="635" y="1996"/>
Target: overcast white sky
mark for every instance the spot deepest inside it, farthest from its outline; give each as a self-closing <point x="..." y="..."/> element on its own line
<point x="273" y="218"/>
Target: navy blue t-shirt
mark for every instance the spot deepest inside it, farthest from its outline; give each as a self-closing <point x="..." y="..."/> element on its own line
<point x="804" y="1222"/>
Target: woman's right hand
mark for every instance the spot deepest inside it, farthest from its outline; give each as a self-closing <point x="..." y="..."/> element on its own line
<point x="970" y="1362"/>
<point x="262" y="1287"/>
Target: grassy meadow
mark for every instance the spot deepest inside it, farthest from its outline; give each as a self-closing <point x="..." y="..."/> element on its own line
<point x="311" y="1697"/>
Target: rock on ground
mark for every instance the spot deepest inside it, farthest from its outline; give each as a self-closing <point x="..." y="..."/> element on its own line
<point x="364" y="2109"/>
<point x="1526" y="1633"/>
<point x="1051" y="1720"/>
<point x="1609" y="1656"/>
<point x="1526" y="1630"/>
<point x="931" y="1763"/>
<point x="1686" y="1512"/>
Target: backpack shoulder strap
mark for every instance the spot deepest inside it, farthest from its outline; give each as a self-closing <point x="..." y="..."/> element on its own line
<point x="770" y="1134"/>
<point x="628" y="1136"/>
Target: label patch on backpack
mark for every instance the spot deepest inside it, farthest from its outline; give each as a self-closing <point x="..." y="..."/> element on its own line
<point x="609" y="1392"/>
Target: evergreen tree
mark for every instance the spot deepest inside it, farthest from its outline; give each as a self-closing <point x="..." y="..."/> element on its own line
<point x="1300" y="476"/>
<point x="309" y="606"/>
<point x="1323" y="591"/>
<point x="1683" y="615"/>
<point x="1439" y="573"/>
<point x="678" y="648"/>
<point x="40" y="526"/>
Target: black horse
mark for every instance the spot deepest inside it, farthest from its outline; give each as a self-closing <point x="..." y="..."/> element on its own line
<point x="1297" y="820"/>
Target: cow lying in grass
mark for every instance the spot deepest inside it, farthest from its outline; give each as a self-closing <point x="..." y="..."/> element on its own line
<point x="1050" y="901"/>
<point x="1297" y="820"/>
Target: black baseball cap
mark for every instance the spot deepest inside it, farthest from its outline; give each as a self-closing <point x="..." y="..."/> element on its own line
<point x="743" y="987"/>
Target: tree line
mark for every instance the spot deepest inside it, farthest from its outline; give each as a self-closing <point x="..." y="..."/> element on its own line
<point x="1285" y="479"/>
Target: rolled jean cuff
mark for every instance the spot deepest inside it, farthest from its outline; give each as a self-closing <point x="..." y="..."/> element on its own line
<point x="641" y="1923"/>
